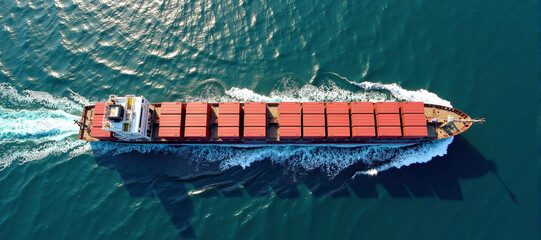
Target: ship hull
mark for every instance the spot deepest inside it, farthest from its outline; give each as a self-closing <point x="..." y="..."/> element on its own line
<point x="262" y="143"/>
<point x="435" y="116"/>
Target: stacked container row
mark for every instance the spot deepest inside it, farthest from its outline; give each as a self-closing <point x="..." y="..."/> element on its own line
<point x="229" y="120"/>
<point x="196" y="126"/>
<point x="97" y="123"/>
<point x="313" y="118"/>
<point x="363" y="125"/>
<point x="338" y="126"/>
<point x="387" y="120"/>
<point x="413" y="120"/>
<point x="255" y="120"/>
<point x="171" y="120"/>
<point x="289" y="119"/>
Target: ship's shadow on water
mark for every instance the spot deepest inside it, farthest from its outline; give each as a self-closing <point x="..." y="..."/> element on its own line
<point x="167" y="175"/>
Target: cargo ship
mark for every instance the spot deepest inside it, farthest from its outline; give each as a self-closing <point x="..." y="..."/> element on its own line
<point x="133" y="119"/>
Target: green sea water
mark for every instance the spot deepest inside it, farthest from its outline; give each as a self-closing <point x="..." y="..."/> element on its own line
<point x="482" y="57"/>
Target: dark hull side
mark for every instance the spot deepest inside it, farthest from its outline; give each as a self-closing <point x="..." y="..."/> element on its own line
<point x="275" y="143"/>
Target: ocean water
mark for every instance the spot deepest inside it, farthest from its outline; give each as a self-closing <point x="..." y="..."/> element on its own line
<point x="482" y="57"/>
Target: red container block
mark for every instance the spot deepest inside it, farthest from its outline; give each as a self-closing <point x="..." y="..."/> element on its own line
<point x="194" y="120"/>
<point x="388" y="132"/>
<point x="197" y="108"/>
<point x="255" y="108"/>
<point x="412" y="107"/>
<point x="255" y="120"/>
<point x="196" y="133"/>
<point x="338" y="120"/>
<point x="289" y="120"/>
<point x="170" y="120"/>
<point x="229" y="108"/>
<point x="413" y="119"/>
<point x="313" y="120"/>
<point x="414" y="132"/>
<point x="99" y="133"/>
<point x="313" y="108"/>
<point x="289" y="108"/>
<point x="99" y="108"/>
<point x="97" y="121"/>
<point x="362" y="120"/>
<point x="363" y="132"/>
<point x="313" y="132"/>
<point x="172" y="108"/>
<point x="170" y="132"/>
<point x="361" y="107"/>
<point x="386" y="107"/>
<point x="255" y="133"/>
<point x="387" y="120"/>
<point x="337" y="108"/>
<point x="290" y="133"/>
<point x="338" y="132"/>
<point x="228" y="120"/>
<point x="229" y="133"/>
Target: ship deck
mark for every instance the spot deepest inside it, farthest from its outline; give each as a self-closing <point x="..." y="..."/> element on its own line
<point x="436" y="130"/>
<point x="443" y="129"/>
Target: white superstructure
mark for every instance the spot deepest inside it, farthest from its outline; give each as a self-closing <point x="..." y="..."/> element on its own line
<point x="128" y="118"/>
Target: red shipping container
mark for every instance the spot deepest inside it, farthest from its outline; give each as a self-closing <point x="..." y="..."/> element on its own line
<point x="363" y="132"/>
<point x="195" y="120"/>
<point x="289" y="120"/>
<point x="388" y="132"/>
<point x="196" y="133"/>
<point x="289" y="108"/>
<point x="337" y="108"/>
<point x="99" y="133"/>
<point x="99" y="108"/>
<point x="313" y="132"/>
<point x="361" y="107"/>
<point x="290" y="132"/>
<point x="229" y="120"/>
<point x="170" y="132"/>
<point x="255" y="133"/>
<point x="412" y="107"/>
<point x="97" y="121"/>
<point x="414" y="132"/>
<point x="172" y="108"/>
<point x="255" y="108"/>
<point x="229" y="133"/>
<point x="413" y="119"/>
<point x="362" y="120"/>
<point x="386" y="107"/>
<point x="338" y="132"/>
<point x="313" y="108"/>
<point x="197" y="108"/>
<point x="388" y="120"/>
<point x="170" y="120"/>
<point x="338" y="120"/>
<point x="255" y="120"/>
<point x="229" y="108"/>
<point x="313" y="120"/>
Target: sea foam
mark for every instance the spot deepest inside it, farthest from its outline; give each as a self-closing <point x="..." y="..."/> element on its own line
<point x="11" y="97"/>
<point x="35" y="125"/>
<point x="50" y="130"/>
<point x="330" y="159"/>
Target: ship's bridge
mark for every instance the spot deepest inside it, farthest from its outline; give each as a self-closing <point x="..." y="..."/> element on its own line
<point x="128" y="118"/>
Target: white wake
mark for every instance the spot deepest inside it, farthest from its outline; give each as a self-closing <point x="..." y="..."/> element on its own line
<point x="47" y="130"/>
<point x="330" y="159"/>
<point x="35" y="125"/>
